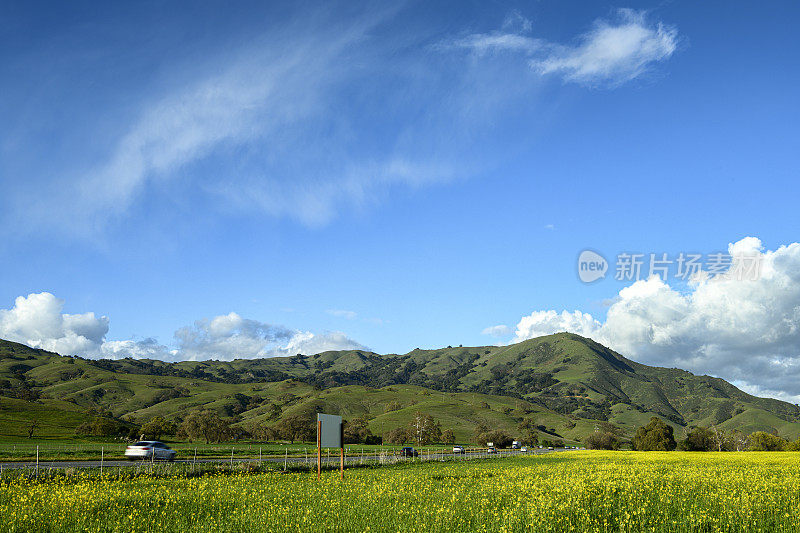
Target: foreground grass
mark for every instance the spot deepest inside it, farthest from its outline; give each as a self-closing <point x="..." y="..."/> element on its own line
<point x="579" y="491"/>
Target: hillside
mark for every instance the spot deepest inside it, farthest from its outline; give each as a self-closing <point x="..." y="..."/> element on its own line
<point x="568" y="384"/>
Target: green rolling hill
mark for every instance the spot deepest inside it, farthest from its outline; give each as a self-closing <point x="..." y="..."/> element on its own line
<point x="568" y="384"/>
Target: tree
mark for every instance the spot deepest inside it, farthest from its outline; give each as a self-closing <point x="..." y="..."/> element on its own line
<point x="32" y="426"/>
<point x="656" y="435"/>
<point x="602" y="440"/>
<point x="529" y="431"/>
<point x="204" y="424"/>
<point x="156" y="427"/>
<point x="739" y="441"/>
<point x="265" y="433"/>
<point x="793" y="446"/>
<point x="497" y="437"/>
<point x="294" y="428"/>
<point x="424" y="429"/>
<point x="699" y="439"/>
<point x="761" y="441"/>
<point x="357" y="430"/>
<point x="448" y="437"/>
<point x="397" y="436"/>
<point x="101" y="427"/>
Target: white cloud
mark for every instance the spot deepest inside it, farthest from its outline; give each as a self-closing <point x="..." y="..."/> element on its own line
<point x="308" y="343"/>
<point x="270" y="101"/>
<point x="541" y="323"/>
<point x="500" y="330"/>
<point x="342" y="313"/>
<point x="230" y="336"/>
<point x="738" y="329"/>
<point x="485" y="43"/>
<point x="37" y="320"/>
<point x="145" y="349"/>
<point x="611" y="53"/>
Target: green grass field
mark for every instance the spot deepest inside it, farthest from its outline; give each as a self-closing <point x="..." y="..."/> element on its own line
<point x="579" y="491"/>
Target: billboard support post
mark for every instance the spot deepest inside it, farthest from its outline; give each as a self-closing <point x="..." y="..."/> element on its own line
<point x="319" y="448"/>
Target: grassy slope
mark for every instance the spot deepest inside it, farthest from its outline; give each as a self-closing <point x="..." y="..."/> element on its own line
<point x="564" y="381"/>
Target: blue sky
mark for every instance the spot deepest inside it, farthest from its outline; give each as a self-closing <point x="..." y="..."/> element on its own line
<point x="394" y="176"/>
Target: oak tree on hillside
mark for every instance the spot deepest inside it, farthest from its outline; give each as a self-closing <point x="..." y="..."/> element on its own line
<point x="657" y="435"/>
<point x="204" y="424"/>
<point x="157" y="427"/>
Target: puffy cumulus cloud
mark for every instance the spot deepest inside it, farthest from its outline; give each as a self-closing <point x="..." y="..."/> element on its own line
<point x="145" y="349"/>
<point x="37" y="320"/>
<point x="744" y="330"/>
<point x="228" y="337"/>
<point x="541" y="323"/>
<point x="308" y="343"/>
<point x="611" y="53"/>
<point x="231" y="336"/>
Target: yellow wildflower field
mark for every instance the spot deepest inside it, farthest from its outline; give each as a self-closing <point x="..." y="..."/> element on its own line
<point x="574" y="491"/>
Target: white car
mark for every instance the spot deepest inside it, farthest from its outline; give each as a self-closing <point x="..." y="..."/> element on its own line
<point x="150" y="449"/>
<point x="458" y="449"/>
<point x="523" y="449"/>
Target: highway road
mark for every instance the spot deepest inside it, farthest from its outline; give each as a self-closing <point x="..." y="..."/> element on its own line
<point x="350" y="460"/>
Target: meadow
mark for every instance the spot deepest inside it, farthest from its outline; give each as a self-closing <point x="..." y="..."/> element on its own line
<point x="577" y="491"/>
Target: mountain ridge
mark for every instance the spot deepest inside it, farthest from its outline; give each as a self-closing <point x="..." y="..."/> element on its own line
<point x="571" y="383"/>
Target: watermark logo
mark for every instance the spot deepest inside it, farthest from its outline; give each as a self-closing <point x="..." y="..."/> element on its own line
<point x="591" y="266"/>
<point x="632" y="266"/>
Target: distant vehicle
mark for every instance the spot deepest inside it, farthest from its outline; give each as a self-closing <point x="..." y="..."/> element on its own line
<point x="523" y="449"/>
<point x="408" y="451"/>
<point x="516" y="445"/>
<point x="459" y="449"/>
<point x="491" y="449"/>
<point x="150" y="449"/>
<point x="549" y="447"/>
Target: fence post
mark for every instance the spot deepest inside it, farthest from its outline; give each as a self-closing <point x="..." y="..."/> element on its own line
<point x="37" y="459"/>
<point x="231" y="457"/>
<point x="101" y="461"/>
<point x="285" y="458"/>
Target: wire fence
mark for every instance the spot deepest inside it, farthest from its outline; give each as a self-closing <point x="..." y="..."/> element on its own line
<point x="248" y="458"/>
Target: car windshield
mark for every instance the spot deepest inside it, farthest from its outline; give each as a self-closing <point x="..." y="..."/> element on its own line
<point x="142" y="443"/>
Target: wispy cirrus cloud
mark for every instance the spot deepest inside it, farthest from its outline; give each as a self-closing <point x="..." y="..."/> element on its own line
<point x="342" y="313"/>
<point x="501" y="330"/>
<point x="262" y="129"/>
<point x="611" y="53"/>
